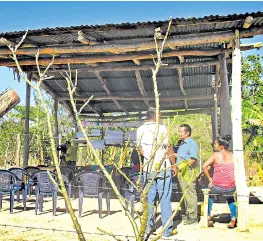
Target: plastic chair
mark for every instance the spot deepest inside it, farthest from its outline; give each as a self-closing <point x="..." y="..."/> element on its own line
<point x="130" y="192"/>
<point x="93" y="184"/>
<point x="9" y="185"/>
<point x="44" y="185"/>
<point x="68" y="175"/>
<point x="31" y="170"/>
<point x="23" y="178"/>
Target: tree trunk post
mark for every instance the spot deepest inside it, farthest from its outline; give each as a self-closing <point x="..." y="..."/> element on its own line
<point x="76" y="128"/>
<point x="26" y="131"/>
<point x="238" y="154"/>
<point x="56" y="124"/>
<point x="18" y="147"/>
<point x="214" y="119"/>
<point x="225" y="109"/>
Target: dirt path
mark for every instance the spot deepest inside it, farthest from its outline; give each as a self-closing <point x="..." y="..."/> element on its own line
<point x="25" y="225"/>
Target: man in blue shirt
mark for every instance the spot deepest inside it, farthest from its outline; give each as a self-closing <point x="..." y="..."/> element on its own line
<point x="186" y="160"/>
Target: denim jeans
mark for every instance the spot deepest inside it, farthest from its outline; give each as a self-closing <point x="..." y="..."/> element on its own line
<point x="228" y="192"/>
<point x="163" y="185"/>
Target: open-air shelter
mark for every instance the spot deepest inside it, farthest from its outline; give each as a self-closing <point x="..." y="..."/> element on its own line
<point x="114" y="63"/>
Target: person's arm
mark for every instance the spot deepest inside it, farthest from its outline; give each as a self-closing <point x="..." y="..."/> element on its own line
<point x="206" y="166"/>
<point x="172" y="159"/>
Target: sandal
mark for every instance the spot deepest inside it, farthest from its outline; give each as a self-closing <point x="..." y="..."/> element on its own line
<point x="232" y="224"/>
<point x="210" y="222"/>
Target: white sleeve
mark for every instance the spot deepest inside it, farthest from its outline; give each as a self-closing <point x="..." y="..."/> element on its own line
<point x="165" y="136"/>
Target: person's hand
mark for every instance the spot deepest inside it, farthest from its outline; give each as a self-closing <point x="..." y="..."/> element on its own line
<point x="174" y="171"/>
<point x="210" y="182"/>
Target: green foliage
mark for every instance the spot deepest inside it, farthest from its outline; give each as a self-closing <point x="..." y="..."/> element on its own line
<point x="201" y="132"/>
<point x="252" y="107"/>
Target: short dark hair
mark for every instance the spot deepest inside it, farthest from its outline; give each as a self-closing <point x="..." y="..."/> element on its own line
<point x="151" y="112"/>
<point x="187" y="128"/>
<point x="68" y="142"/>
<point x="224" y="140"/>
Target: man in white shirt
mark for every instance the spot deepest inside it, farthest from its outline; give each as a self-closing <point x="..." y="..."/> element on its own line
<point x="160" y="161"/>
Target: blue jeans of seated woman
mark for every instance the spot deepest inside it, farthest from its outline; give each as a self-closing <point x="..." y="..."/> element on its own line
<point x="228" y="193"/>
<point x="163" y="185"/>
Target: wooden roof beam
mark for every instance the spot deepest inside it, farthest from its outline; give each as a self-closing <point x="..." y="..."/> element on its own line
<point x="140" y="116"/>
<point x="141" y="86"/>
<point x="149" y="98"/>
<point x="104" y="86"/>
<point x="177" y="41"/>
<point x="146" y="67"/>
<point x="134" y="93"/>
<point x="93" y="60"/>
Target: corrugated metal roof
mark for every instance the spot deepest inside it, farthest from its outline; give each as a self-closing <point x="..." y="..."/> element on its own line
<point x="231" y="20"/>
<point x="197" y="81"/>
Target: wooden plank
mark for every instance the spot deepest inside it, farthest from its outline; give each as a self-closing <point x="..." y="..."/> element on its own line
<point x="104" y="86"/>
<point x="144" y="46"/>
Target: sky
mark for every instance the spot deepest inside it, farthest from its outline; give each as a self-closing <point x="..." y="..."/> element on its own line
<point x="17" y="16"/>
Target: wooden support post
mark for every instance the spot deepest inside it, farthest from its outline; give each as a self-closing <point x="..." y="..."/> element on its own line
<point x="206" y="198"/>
<point x="225" y="109"/>
<point x="26" y="131"/>
<point x="238" y="154"/>
<point x="214" y="120"/>
<point x="56" y="124"/>
<point x="215" y="108"/>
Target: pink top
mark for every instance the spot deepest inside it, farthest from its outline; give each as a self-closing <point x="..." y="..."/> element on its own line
<point x="224" y="174"/>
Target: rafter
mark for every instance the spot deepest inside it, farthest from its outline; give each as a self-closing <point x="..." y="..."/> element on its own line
<point x="181" y="81"/>
<point x="146" y="67"/>
<point x="104" y="86"/>
<point x="141" y="86"/>
<point x="149" y="98"/>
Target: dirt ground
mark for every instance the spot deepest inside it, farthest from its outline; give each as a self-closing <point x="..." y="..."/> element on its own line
<point x="26" y="226"/>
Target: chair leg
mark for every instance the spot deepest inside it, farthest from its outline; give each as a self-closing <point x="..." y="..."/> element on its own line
<point x="69" y="190"/>
<point x="18" y="196"/>
<point x="41" y="202"/>
<point x="1" y="200"/>
<point x="132" y="200"/>
<point x="24" y="192"/>
<point x="54" y="203"/>
<point x="108" y="202"/>
<point x="12" y="197"/>
<point x="80" y="202"/>
<point x="37" y="200"/>
<point x="100" y="203"/>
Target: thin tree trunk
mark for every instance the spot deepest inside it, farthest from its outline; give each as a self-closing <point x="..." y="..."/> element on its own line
<point x="18" y="147"/>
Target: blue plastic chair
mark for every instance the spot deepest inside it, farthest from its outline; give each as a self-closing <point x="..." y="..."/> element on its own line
<point x="45" y="186"/>
<point x="93" y="184"/>
<point x="23" y="178"/>
<point x="9" y="185"/>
